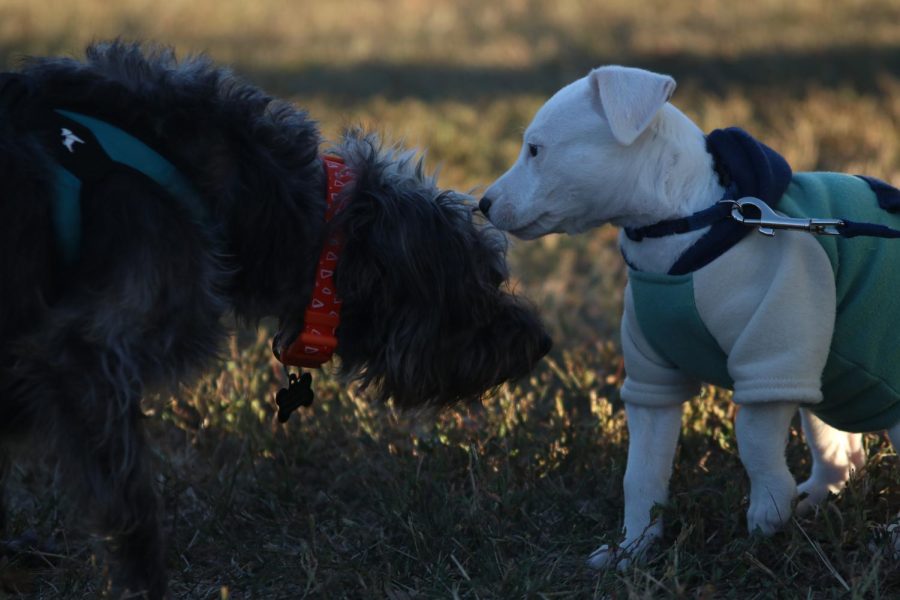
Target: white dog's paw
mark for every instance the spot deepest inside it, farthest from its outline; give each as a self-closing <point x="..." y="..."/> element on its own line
<point x="815" y="491"/>
<point x="621" y="557"/>
<point x="770" y="503"/>
<point x="829" y="478"/>
<point x="606" y="557"/>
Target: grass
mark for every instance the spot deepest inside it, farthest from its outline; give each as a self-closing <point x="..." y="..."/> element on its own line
<point x="353" y="500"/>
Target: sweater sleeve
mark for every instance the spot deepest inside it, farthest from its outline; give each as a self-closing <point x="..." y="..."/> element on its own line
<point x="770" y="304"/>
<point x="649" y="379"/>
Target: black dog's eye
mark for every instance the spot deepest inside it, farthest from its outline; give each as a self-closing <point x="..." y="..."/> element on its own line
<point x="533" y="149"/>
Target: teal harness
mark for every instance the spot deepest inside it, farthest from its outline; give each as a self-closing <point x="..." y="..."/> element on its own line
<point x="89" y="150"/>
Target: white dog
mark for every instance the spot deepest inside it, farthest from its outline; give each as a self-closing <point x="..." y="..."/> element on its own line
<point x="709" y="299"/>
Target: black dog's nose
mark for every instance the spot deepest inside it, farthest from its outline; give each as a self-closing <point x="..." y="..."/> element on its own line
<point x="485" y="205"/>
<point x="546" y="345"/>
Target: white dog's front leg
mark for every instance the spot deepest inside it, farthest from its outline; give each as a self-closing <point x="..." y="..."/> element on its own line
<point x="762" y="436"/>
<point x="652" y="438"/>
<point x="836" y="454"/>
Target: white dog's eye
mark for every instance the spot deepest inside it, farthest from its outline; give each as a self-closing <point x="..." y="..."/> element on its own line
<point x="533" y="149"/>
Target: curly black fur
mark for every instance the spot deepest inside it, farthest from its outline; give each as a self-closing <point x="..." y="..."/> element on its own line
<point x="426" y="319"/>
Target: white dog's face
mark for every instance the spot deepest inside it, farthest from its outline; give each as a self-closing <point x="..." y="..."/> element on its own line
<point x="585" y="158"/>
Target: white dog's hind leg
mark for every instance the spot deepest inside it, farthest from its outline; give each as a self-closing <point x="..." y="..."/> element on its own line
<point x="762" y="436"/>
<point x="652" y="438"/>
<point x="836" y="454"/>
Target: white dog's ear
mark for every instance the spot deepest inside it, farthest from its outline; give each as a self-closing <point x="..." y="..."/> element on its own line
<point x="630" y="98"/>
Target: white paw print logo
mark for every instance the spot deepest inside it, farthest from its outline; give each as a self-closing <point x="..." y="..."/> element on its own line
<point x="69" y="139"/>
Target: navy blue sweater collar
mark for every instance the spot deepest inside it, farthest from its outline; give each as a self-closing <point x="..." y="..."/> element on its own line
<point x="746" y="167"/>
<point x="754" y="168"/>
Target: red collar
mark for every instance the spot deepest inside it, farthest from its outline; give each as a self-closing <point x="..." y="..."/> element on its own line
<point x="317" y="342"/>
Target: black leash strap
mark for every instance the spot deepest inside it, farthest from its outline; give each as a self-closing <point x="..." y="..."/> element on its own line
<point x="850" y="229"/>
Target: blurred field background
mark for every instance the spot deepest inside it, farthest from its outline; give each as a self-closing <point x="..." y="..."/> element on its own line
<point x="353" y="500"/>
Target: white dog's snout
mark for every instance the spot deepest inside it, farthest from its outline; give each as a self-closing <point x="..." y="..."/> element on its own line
<point x="498" y="209"/>
<point x="502" y="215"/>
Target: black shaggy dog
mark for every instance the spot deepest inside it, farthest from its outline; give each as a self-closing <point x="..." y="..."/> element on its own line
<point x="127" y="290"/>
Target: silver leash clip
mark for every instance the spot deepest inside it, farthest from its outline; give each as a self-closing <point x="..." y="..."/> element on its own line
<point x="744" y="210"/>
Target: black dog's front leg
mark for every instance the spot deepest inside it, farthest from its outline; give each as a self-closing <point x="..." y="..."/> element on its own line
<point x="89" y="415"/>
<point x="126" y="510"/>
<point x="118" y="493"/>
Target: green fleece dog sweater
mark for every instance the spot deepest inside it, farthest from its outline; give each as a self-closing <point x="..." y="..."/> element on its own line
<point x="860" y="380"/>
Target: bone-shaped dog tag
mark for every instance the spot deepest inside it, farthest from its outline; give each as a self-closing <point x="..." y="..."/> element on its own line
<point x="298" y="393"/>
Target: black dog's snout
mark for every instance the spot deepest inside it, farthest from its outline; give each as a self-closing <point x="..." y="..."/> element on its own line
<point x="485" y="205"/>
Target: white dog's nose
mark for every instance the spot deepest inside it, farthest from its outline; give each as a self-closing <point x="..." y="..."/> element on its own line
<point x="485" y="205"/>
